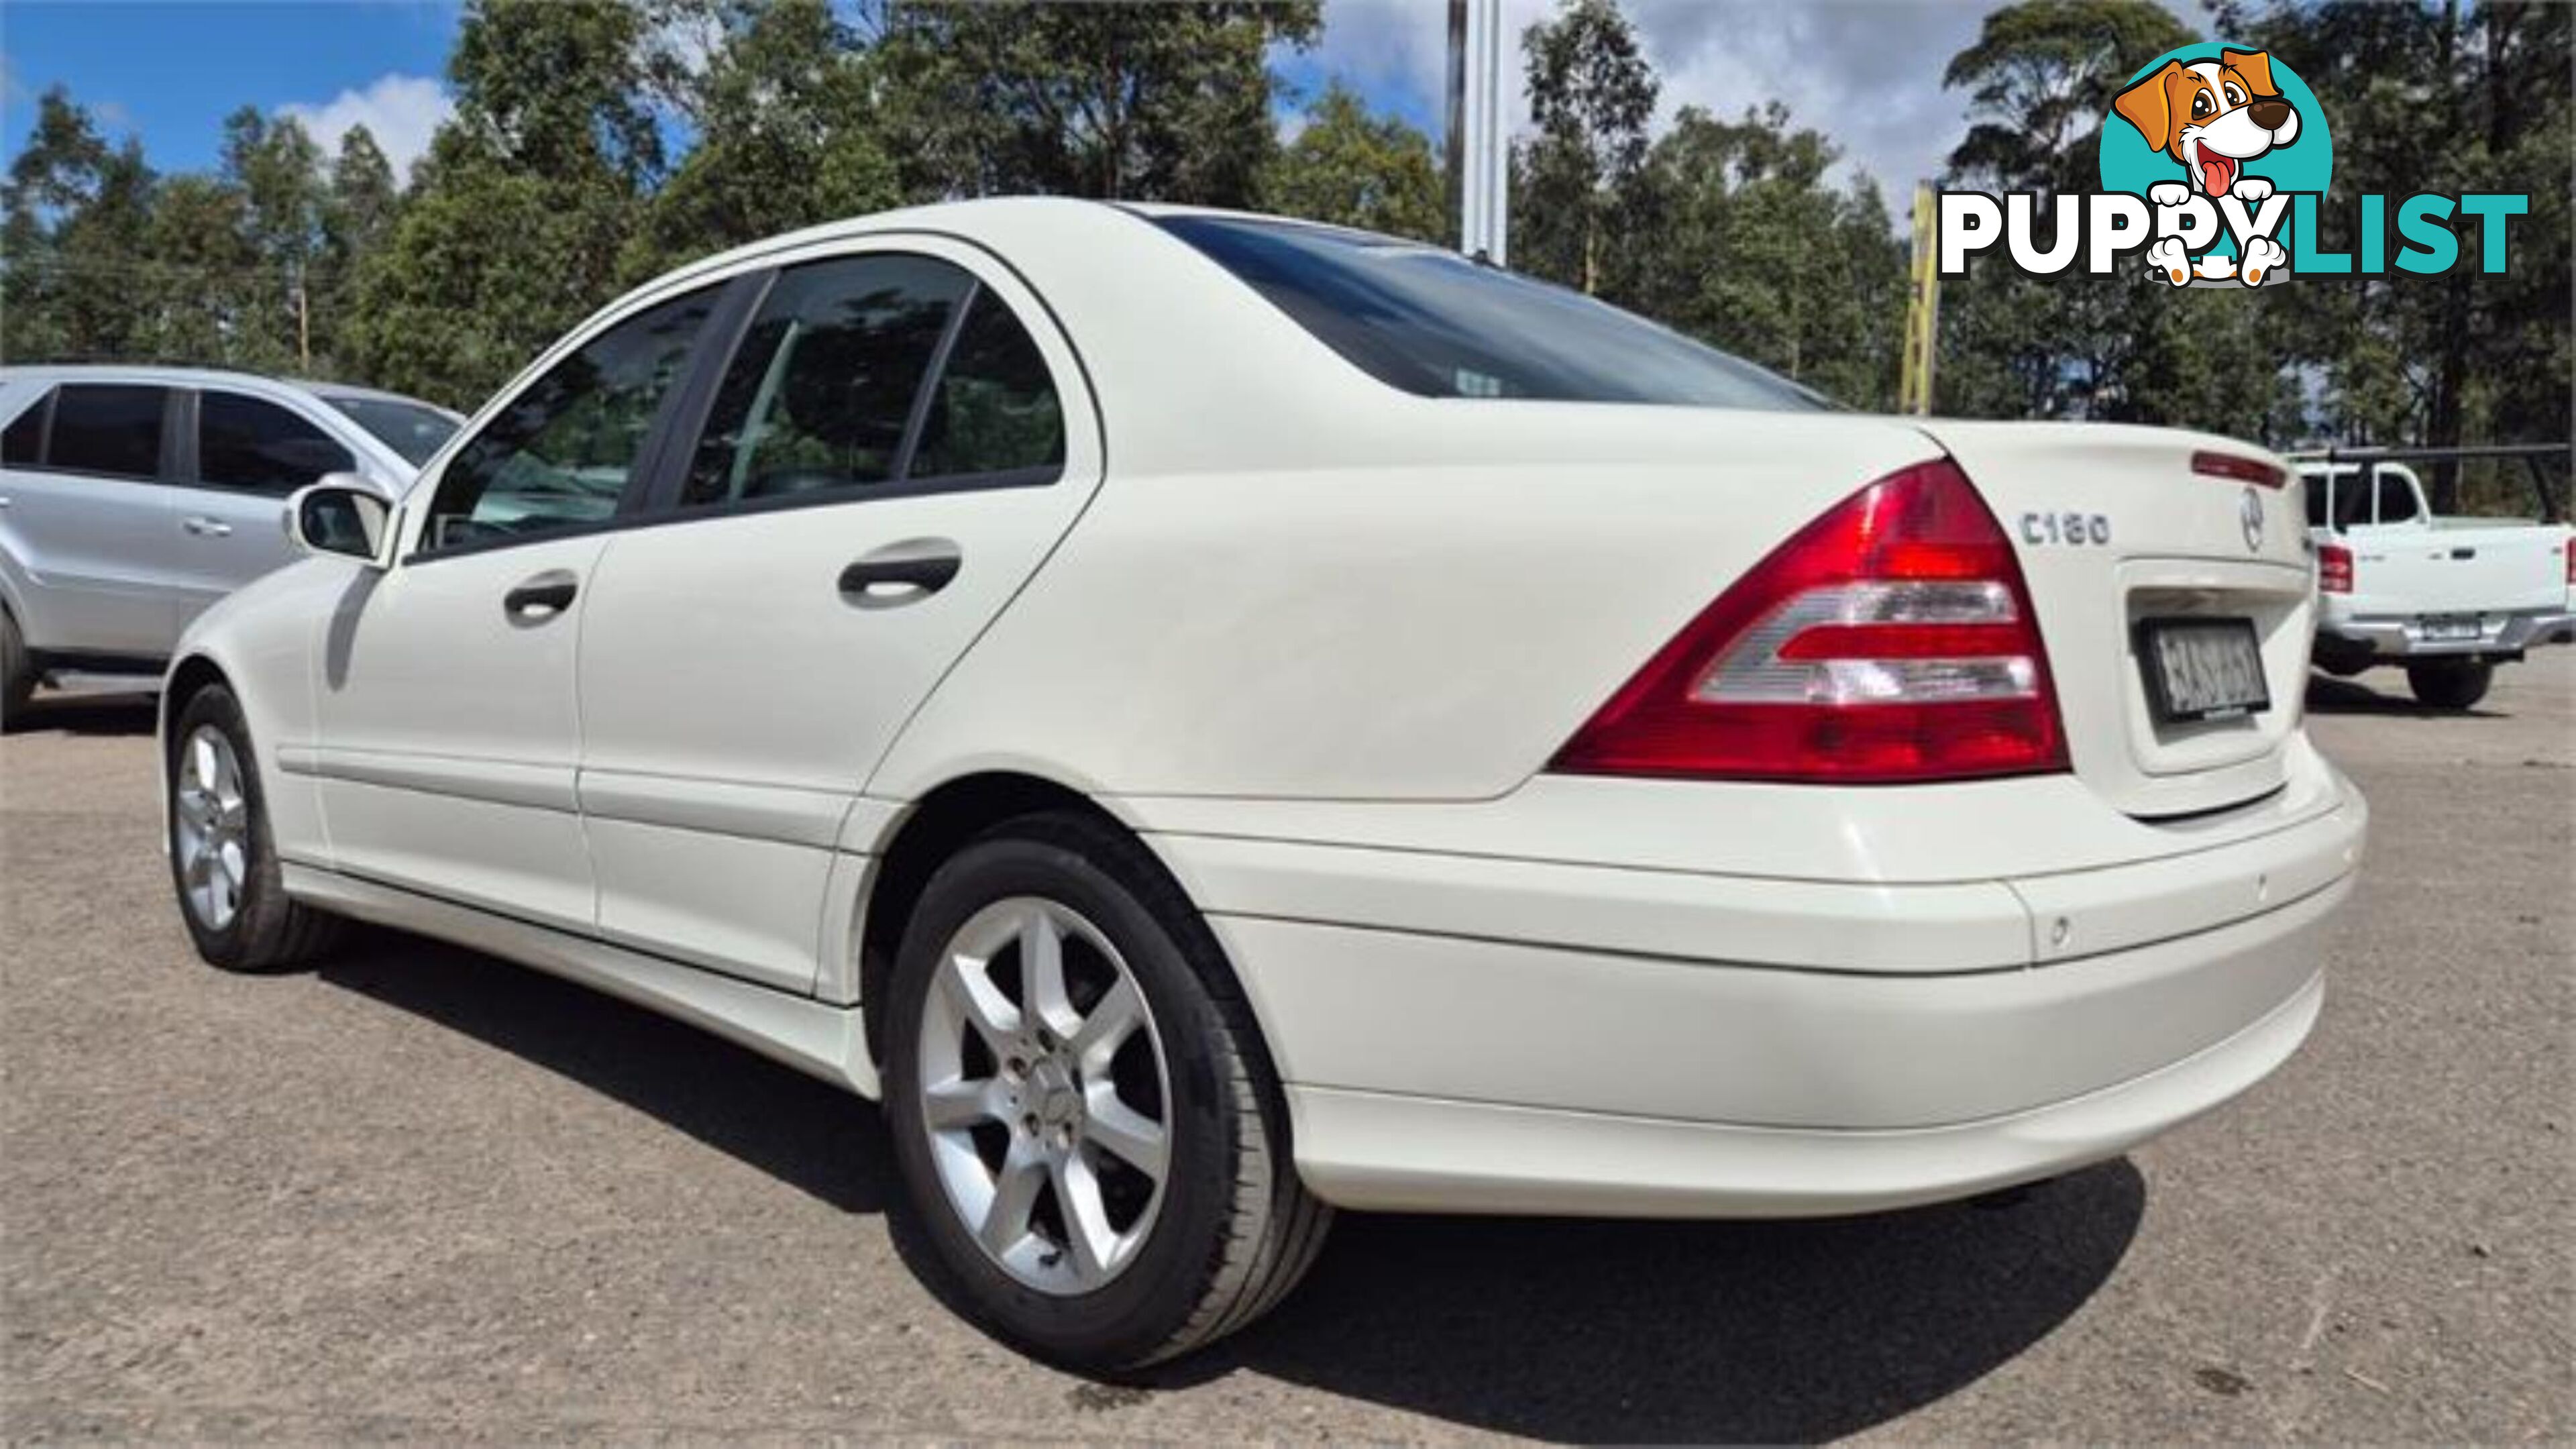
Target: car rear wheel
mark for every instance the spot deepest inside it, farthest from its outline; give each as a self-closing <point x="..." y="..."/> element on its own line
<point x="223" y="859"/>
<point x="1090" y="1136"/>
<point x="17" y="670"/>
<point x="2452" y="684"/>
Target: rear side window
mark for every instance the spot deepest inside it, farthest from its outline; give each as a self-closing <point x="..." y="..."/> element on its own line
<point x="820" y="393"/>
<point x="243" y="442"/>
<point x="994" y="410"/>
<point x="559" y="453"/>
<point x="1438" y="325"/>
<point x="24" y="440"/>
<point x="110" y="430"/>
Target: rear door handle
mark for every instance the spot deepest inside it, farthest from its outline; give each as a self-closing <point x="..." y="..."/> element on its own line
<point x="538" y="599"/>
<point x="901" y="573"/>
<point x="204" y="527"/>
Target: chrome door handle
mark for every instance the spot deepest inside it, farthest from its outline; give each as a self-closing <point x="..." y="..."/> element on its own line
<point x="541" y="597"/>
<point x="900" y="573"/>
<point x="204" y="527"/>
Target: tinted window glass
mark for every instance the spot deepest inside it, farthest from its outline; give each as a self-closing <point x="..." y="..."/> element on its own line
<point x="994" y="410"/>
<point x="2396" y="500"/>
<point x="2318" y="488"/>
<point x="243" y="442"/>
<point x="559" y="453"/>
<point x="415" y="430"/>
<point x="1433" y="323"/>
<point x="25" y="438"/>
<point x="818" y="394"/>
<point x="108" y="429"/>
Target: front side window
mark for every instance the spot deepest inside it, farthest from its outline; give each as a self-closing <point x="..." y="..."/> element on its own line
<point x="243" y="442"/>
<point x="558" y="455"/>
<point x="819" y="394"/>
<point x="1438" y="325"/>
<point x="113" y="430"/>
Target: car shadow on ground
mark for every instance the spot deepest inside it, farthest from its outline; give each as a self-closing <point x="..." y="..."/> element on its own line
<point x="86" y="714"/>
<point x="2329" y="695"/>
<point x="806" y="1134"/>
<point x="1556" y="1329"/>
<point x="1743" y="1332"/>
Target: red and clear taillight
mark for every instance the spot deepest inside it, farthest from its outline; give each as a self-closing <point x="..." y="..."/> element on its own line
<point x="1891" y="640"/>
<point x="2334" y="569"/>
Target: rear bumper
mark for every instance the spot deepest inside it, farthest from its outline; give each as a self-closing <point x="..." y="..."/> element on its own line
<point x="1471" y="1034"/>
<point x="2405" y="637"/>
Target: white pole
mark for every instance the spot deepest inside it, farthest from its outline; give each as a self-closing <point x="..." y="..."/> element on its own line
<point x="1479" y="145"/>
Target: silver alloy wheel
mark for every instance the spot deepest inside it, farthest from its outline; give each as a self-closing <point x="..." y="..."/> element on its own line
<point x="212" y="834"/>
<point x="1033" y="1078"/>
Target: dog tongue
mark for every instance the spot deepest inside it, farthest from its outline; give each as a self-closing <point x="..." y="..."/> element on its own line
<point x="2217" y="173"/>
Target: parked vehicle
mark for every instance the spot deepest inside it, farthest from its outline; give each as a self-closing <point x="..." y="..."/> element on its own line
<point x="1216" y="719"/>
<point x="133" y="497"/>
<point x="2448" y="599"/>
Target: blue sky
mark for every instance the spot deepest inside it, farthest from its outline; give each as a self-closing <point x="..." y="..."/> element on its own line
<point x="171" y="70"/>
<point x="1865" y="71"/>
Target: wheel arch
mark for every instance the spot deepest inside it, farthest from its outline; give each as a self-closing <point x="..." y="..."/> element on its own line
<point x="189" y="675"/>
<point x="932" y="829"/>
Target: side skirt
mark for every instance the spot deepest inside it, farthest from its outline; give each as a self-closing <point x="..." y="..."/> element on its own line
<point x="825" y="1041"/>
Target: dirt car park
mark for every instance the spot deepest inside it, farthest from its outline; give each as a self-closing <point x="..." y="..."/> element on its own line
<point x="423" y="1194"/>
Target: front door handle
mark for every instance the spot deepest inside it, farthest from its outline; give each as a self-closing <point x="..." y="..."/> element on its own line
<point x="204" y="527"/>
<point x="538" y="599"/>
<point x="900" y="573"/>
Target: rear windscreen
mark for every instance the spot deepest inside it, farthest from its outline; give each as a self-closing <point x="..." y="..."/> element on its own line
<point x="1438" y="325"/>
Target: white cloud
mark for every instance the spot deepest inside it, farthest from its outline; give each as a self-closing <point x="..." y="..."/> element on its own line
<point x="401" y="111"/>
<point x="1867" y="73"/>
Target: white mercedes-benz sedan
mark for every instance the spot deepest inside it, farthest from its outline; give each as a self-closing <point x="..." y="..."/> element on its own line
<point x="1213" y="719"/>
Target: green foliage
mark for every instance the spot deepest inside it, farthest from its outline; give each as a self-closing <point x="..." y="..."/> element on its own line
<point x="516" y="224"/>
<point x="1161" y="102"/>
<point x="1592" y="94"/>
<point x="1354" y="169"/>
<point x="2446" y="98"/>
<point x="2040" y="80"/>
<point x="787" y="136"/>
<point x="1738" y="239"/>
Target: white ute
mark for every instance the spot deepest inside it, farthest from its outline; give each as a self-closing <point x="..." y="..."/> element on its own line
<point x="2447" y="598"/>
<point x="1215" y="719"/>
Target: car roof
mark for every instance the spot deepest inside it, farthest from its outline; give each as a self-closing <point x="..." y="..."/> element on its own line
<point x="165" y="376"/>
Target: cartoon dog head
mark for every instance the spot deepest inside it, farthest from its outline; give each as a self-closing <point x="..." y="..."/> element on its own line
<point x="2213" y="116"/>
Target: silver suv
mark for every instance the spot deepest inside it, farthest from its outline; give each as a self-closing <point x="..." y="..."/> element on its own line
<point x="133" y="497"/>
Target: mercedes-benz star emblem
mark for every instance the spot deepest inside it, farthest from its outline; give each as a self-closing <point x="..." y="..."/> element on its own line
<point x="2249" y="513"/>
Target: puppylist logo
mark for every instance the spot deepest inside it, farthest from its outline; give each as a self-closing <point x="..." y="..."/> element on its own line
<point x="2215" y="163"/>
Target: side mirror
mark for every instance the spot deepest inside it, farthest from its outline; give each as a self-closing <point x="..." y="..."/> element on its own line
<point x="343" y="514"/>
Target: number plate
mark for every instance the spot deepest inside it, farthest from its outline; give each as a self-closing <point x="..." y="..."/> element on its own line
<point x="2453" y="626"/>
<point x="2200" y="669"/>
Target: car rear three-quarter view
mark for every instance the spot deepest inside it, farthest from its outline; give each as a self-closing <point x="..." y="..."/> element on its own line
<point x="1216" y="719"/>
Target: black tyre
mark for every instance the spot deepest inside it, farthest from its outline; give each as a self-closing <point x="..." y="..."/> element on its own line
<point x="223" y="860"/>
<point x="2451" y="684"/>
<point x="17" y="671"/>
<point x="1092" y="1141"/>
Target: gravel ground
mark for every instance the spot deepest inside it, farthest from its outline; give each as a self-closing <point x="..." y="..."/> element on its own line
<point x="422" y="1194"/>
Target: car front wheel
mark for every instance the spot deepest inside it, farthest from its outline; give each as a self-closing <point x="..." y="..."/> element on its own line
<point x="1089" y="1133"/>
<point x="223" y="860"/>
